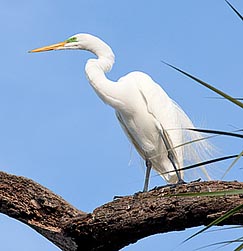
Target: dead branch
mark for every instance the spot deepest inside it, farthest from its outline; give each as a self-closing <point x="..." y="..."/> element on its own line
<point x="117" y="223"/>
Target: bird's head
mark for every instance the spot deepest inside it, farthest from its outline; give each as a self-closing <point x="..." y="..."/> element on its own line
<point x="87" y="42"/>
<point x="78" y="41"/>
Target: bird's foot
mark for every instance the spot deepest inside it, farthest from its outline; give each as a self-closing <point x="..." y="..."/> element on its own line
<point x="179" y="182"/>
<point x="116" y="197"/>
<point x="138" y="193"/>
<point x="135" y="195"/>
<point x="197" y="180"/>
<point x="167" y="185"/>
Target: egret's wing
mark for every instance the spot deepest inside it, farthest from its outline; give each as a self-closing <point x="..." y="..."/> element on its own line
<point x="163" y="109"/>
<point x="173" y="121"/>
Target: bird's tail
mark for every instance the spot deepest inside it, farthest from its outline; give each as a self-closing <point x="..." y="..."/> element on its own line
<point x="195" y="148"/>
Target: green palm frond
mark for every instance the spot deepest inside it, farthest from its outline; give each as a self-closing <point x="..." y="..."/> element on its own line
<point x="233" y="134"/>
<point x="233" y="163"/>
<point x="223" y="98"/>
<point x="222" y="243"/>
<point x="225" y="228"/>
<point x="216" y="222"/>
<point x="239" y="247"/>
<point x="235" y="10"/>
<point x="221" y="93"/>
<point x="204" y="163"/>
<point x="208" y="194"/>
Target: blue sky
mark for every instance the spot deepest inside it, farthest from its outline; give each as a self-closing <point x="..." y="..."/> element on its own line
<point x="56" y="131"/>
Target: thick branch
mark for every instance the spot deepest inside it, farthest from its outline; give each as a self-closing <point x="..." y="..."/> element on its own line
<point x="38" y="207"/>
<point x="118" y="223"/>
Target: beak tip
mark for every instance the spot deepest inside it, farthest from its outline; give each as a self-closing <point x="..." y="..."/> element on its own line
<point x="52" y="47"/>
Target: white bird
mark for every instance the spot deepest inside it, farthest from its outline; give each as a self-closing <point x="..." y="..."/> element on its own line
<point x="152" y="121"/>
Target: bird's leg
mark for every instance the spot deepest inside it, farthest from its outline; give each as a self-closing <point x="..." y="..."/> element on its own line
<point x="178" y="174"/>
<point x="148" y="170"/>
<point x="146" y="182"/>
<point x="171" y="154"/>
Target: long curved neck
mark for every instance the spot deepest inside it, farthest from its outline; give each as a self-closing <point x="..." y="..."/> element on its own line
<point x="96" y="68"/>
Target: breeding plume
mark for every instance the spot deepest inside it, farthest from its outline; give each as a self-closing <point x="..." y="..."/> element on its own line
<point x="153" y="122"/>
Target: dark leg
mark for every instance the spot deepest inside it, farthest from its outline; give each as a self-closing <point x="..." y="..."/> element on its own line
<point x="146" y="182"/>
<point x="171" y="155"/>
<point x="148" y="170"/>
<point x="178" y="174"/>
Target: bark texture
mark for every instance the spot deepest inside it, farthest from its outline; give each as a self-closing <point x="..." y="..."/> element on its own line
<point x="118" y="223"/>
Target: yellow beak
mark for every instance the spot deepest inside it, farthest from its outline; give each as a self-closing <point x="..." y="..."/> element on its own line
<point x="50" y="47"/>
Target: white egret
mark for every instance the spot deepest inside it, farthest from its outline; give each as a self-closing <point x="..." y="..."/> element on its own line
<point x="152" y="121"/>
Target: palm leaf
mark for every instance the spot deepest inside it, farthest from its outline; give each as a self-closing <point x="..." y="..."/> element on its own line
<point x="217" y="132"/>
<point x="217" y="221"/>
<point x="223" y="94"/>
<point x="227" y="134"/>
<point x="234" y="9"/>
<point x="225" y="228"/>
<point x="193" y="141"/>
<point x="222" y="243"/>
<point x="208" y="194"/>
<point x="233" y="163"/>
<point x="239" y="247"/>
<point x="204" y="163"/>
<point x="223" y="98"/>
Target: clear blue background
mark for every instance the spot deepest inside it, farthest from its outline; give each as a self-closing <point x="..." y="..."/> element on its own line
<point x="56" y="131"/>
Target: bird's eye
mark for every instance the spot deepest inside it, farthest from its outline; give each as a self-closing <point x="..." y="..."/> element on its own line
<point x="72" y="39"/>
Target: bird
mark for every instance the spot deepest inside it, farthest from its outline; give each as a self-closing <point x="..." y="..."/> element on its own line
<point x="154" y="123"/>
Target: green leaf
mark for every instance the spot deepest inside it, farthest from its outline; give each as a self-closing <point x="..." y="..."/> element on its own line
<point x="217" y="132"/>
<point x="234" y="9"/>
<point x="231" y="99"/>
<point x="223" y="98"/>
<point x="225" y="228"/>
<point x="208" y="194"/>
<point x="233" y="163"/>
<point x="217" y="221"/>
<point x="204" y="163"/>
<point x="222" y="243"/>
<point x="239" y="247"/>
<point x="237" y="157"/>
<point x="193" y="141"/>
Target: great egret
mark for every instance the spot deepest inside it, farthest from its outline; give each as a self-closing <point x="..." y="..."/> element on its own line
<point x="152" y="121"/>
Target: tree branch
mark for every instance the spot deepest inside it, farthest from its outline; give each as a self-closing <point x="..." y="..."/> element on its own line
<point x="117" y="223"/>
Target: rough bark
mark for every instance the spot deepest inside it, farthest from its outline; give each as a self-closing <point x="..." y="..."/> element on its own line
<point x="117" y="223"/>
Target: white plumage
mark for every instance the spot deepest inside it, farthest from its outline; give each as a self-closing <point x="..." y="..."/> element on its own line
<point x="152" y="121"/>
